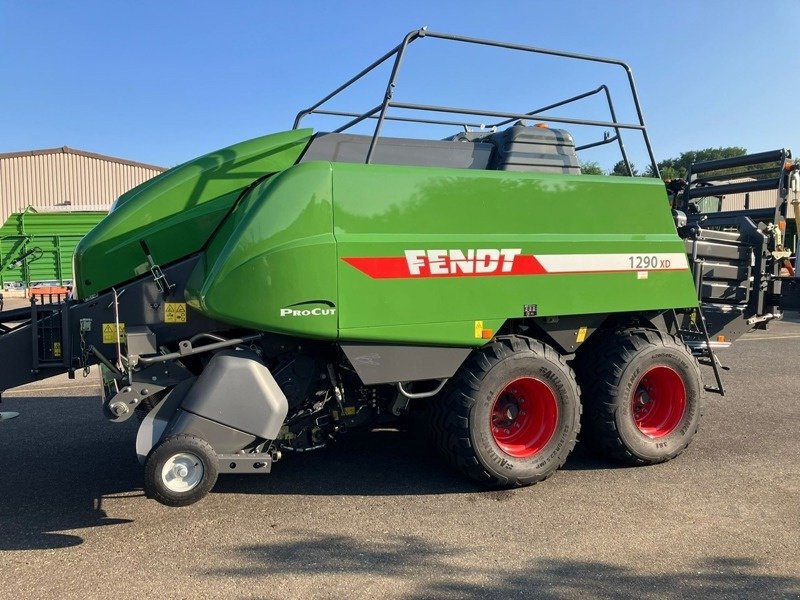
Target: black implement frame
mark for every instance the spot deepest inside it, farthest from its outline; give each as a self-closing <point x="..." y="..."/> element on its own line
<point x="379" y="112"/>
<point x="736" y="175"/>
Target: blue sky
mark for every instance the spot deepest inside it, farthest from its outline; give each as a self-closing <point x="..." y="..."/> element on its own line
<point x="162" y="82"/>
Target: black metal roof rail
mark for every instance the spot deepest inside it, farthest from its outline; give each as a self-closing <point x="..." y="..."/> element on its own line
<point x="731" y="176"/>
<point x="379" y="112"/>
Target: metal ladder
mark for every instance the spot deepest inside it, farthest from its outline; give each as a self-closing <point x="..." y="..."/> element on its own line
<point x="706" y="347"/>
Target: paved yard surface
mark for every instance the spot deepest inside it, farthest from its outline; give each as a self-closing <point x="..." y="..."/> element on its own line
<point x="379" y="516"/>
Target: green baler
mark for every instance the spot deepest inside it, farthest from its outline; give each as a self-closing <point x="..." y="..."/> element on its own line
<point x="270" y="296"/>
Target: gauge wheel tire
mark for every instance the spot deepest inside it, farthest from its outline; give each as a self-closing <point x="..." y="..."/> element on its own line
<point x="642" y="396"/>
<point x="180" y="470"/>
<point x="481" y="424"/>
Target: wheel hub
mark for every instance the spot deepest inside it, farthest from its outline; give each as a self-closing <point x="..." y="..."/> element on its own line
<point x="507" y="411"/>
<point x="659" y="401"/>
<point x="182" y="472"/>
<point x="524" y="417"/>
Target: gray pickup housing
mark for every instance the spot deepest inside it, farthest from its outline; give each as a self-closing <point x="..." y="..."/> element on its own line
<point x="234" y="403"/>
<point x="237" y="390"/>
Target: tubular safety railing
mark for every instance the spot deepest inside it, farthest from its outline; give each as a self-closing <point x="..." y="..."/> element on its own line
<point x="379" y="112"/>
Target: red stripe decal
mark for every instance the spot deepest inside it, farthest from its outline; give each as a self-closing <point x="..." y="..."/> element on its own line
<point x="380" y="267"/>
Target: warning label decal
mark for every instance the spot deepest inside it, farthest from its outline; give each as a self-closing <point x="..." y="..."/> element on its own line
<point x="174" y="312"/>
<point x="110" y="333"/>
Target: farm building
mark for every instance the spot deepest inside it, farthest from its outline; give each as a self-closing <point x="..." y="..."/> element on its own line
<point x="48" y="200"/>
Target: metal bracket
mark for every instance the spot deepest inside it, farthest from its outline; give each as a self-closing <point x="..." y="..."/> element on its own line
<point x="161" y="280"/>
<point x="120" y="407"/>
<point x="150" y="383"/>
<point x="247" y="464"/>
<point x="155" y="270"/>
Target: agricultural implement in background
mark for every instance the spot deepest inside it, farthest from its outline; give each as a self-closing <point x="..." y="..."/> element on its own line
<point x="480" y="278"/>
<point x="38" y="246"/>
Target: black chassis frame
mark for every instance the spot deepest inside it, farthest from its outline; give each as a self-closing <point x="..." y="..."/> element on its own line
<point x="45" y="340"/>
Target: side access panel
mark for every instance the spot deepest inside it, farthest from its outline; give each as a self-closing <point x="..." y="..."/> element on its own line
<point x="439" y="256"/>
<point x="272" y="264"/>
<point x="379" y="363"/>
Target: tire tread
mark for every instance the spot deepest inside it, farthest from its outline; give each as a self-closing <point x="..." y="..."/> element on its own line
<point x="599" y="381"/>
<point x="450" y="414"/>
<point x="152" y="478"/>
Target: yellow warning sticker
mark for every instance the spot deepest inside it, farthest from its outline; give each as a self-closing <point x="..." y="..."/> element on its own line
<point x="174" y="312"/>
<point x="478" y="329"/>
<point x="56" y="349"/>
<point x="581" y="335"/>
<point x="110" y="333"/>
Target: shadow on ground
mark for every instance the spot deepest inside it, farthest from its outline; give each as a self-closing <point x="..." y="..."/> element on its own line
<point x="385" y="462"/>
<point x="61" y="460"/>
<point x="57" y="466"/>
<point x="436" y="572"/>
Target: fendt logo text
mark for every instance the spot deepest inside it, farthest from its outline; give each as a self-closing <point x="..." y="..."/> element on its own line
<point x="472" y="262"/>
<point x="451" y="262"/>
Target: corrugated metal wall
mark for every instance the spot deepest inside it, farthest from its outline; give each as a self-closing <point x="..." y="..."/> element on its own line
<point x="65" y="179"/>
<point x="763" y="199"/>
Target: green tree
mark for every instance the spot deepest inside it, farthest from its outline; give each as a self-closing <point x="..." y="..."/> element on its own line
<point x="667" y="172"/>
<point x="622" y="170"/>
<point x="672" y="168"/>
<point x="592" y="168"/>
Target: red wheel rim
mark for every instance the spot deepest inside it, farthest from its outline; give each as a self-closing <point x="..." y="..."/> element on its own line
<point x="524" y="417"/>
<point x="659" y="401"/>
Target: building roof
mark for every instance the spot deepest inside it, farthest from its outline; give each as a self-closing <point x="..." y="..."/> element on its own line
<point x="68" y="150"/>
<point x="58" y="178"/>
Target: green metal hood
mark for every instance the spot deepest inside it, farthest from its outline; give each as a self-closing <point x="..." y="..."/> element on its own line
<point x="176" y="212"/>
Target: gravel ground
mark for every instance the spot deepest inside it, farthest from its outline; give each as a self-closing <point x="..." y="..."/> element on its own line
<point x="380" y="516"/>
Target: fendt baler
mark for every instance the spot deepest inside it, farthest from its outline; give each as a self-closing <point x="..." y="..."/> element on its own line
<point x="270" y="296"/>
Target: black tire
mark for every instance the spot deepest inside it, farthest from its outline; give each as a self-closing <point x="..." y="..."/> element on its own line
<point x="184" y="450"/>
<point x="473" y="419"/>
<point x="634" y="408"/>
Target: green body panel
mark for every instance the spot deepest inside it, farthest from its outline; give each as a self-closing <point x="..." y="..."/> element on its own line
<point x="381" y="211"/>
<point x="289" y="258"/>
<point x="177" y="211"/>
<point x="283" y="248"/>
<point x="276" y="252"/>
<point x="56" y="234"/>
